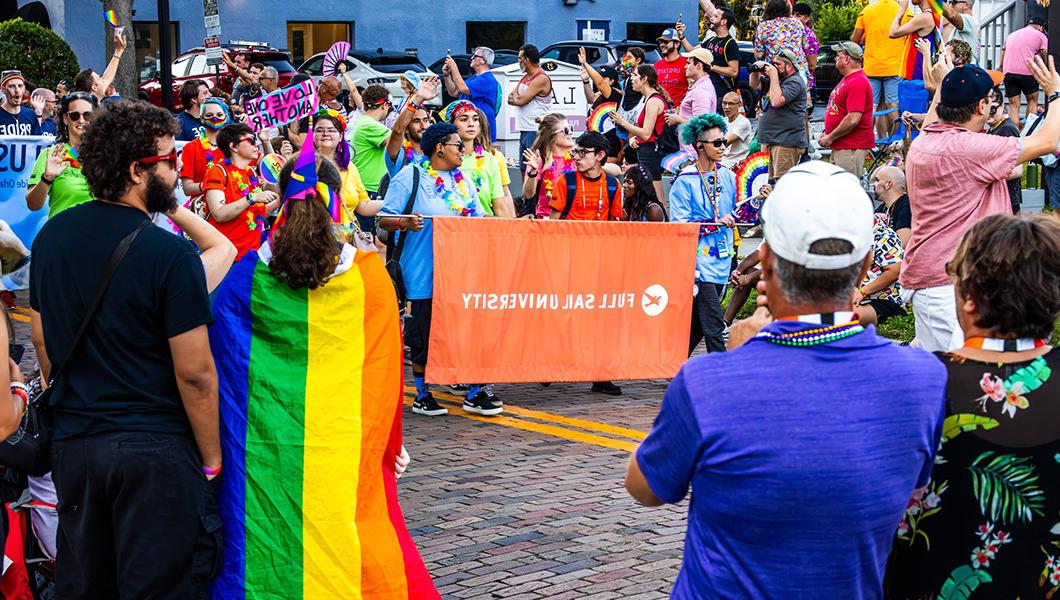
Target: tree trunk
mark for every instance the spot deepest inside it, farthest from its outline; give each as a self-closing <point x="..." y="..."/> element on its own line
<point x="128" y="78"/>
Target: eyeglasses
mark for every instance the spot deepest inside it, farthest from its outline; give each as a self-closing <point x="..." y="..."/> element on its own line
<point x="719" y="143"/>
<point x="325" y="131"/>
<point x="580" y="152"/>
<point x="171" y="158"/>
<point x="568" y="130"/>
<point x="457" y="144"/>
<point x="478" y="56"/>
<point x="77" y="116"/>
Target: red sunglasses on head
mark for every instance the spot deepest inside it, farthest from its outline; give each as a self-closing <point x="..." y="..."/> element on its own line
<point x="171" y="158"/>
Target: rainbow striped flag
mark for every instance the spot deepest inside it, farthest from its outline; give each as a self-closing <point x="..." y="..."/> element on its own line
<point x="311" y="396"/>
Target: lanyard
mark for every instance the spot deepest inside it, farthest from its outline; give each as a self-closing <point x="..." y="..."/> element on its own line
<point x="1004" y="345"/>
<point x="710" y="192"/>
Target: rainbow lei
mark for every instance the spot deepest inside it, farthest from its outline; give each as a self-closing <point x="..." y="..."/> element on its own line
<point x="212" y="153"/>
<point x="245" y="189"/>
<point x="567" y="165"/>
<point x="458" y="196"/>
<point x="410" y="154"/>
<point x="71" y="157"/>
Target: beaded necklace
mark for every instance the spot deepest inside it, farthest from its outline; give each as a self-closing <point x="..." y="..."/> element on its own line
<point x="599" y="198"/>
<point x="816" y="336"/>
<point x="245" y="189"/>
<point x="211" y="152"/>
<point x="410" y="154"/>
<point x="458" y="196"/>
<point x="563" y="167"/>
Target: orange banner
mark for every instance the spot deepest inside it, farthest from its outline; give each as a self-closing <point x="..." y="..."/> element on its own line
<point x="534" y="300"/>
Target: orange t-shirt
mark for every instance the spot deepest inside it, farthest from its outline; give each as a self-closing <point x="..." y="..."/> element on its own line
<point x="590" y="202"/>
<point x="243" y="231"/>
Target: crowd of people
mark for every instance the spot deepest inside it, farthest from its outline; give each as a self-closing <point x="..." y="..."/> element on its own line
<point x="826" y="496"/>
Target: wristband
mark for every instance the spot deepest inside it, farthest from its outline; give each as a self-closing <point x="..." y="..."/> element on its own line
<point x="46" y="180"/>
<point x="531" y="175"/>
<point x="207" y="471"/>
<point x="412" y="106"/>
<point x="20" y="390"/>
<point x="1052" y="97"/>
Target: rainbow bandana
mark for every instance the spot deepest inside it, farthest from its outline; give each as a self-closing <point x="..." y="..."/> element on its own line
<point x="457" y="108"/>
<point x="310" y="400"/>
<point x="305" y="185"/>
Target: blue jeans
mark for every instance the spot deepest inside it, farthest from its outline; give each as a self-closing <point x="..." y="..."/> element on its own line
<point x="1052" y="193"/>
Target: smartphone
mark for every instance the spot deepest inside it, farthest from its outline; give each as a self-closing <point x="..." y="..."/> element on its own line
<point x="679" y="17"/>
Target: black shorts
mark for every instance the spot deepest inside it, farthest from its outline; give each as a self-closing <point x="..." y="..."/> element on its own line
<point x="648" y="155"/>
<point x="1020" y="84"/>
<point x="418" y="331"/>
<point x="885" y="309"/>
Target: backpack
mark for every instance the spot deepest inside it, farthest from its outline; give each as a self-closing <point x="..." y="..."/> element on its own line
<point x="571" y="179"/>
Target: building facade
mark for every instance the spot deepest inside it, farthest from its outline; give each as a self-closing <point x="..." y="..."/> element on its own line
<point x="428" y="28"/>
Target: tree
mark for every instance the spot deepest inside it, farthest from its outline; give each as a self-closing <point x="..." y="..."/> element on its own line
<point x="43" y="57"/>
<point x="128" y="79"/>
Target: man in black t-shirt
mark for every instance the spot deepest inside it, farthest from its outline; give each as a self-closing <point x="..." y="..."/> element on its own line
<point x="726" y="53"/>
<point x="889" y="183"/>
<point x="998" y="123"/>
<point x="135" y="439"/>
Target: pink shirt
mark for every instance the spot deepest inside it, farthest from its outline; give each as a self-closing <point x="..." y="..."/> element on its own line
<point x="700" y="98"/>
<point x="955" y="178"/>
<point x="1020" y="47"/>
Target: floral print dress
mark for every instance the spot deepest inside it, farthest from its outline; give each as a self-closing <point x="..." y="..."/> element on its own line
<point x="987" y="526"/>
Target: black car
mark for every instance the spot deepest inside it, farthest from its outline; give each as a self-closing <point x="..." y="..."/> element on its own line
<point x="463" y="62"/>
<point x="598" y="54"/>
<point x="826" y="75"/>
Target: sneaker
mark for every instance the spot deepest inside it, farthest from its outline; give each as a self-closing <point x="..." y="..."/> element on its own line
<point x="606" y="387"/>
<point x="481" y="404"/>
<point x="457" y="389"/>
<point x="493" y="397"/>
<point x="428" y="406"/>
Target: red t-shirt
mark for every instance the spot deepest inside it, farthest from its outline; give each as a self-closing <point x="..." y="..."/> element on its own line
<point x="673" y="79"/>
<point x="243" y="231"/>
<point x="853" y="94"/>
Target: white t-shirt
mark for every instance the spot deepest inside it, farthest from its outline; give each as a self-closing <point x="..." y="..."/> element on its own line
<point x="739" y="149"/>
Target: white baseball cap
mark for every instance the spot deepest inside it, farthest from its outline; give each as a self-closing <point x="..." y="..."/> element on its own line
<point x="816" y="201"/>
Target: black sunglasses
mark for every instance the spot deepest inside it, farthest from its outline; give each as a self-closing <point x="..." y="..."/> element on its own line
<point x="716" y="143"/>
<point x="77" y="116"/>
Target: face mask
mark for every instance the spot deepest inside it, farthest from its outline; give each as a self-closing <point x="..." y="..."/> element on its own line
<point x="215" y="122"/>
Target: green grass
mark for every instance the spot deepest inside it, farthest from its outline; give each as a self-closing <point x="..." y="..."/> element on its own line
<point x="899" y="329"/>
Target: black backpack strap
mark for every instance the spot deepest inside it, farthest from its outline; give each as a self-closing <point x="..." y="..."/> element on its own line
<point x="394" y="251"/>
<point x="570" y="178"/>
<point x="115" y="259"/>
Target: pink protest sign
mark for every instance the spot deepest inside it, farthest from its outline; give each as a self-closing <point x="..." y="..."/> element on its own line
<point x="282" y="106"/>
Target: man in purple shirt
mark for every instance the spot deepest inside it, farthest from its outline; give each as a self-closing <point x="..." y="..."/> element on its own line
<point x="800" y="460"/>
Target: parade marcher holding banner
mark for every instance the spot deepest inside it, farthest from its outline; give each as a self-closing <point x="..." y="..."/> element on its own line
<point x="434" y="188"/>
<point x="589" y="194"/>
<point x="957" y="176"/>
<point x="995" y="493"/>
<point x="479" y="164"/>
<point x="798" y="483"/>
<point x="57" y="177"/>
<point x="135" y="432"/>
<point x="705" y="192"/>
<point x="199" y="155"/>
<point x="15" y="118"/>
<point x="308" y="349"/>
<point x="237" y="203"/>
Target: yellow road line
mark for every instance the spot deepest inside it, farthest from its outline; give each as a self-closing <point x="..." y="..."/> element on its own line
<point x="560" y="432"/>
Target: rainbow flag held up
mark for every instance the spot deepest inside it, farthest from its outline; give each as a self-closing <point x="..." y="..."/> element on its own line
<point x="311" y="397"/>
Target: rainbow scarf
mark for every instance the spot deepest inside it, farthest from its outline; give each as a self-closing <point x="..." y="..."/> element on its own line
<point x="310" y="401"/>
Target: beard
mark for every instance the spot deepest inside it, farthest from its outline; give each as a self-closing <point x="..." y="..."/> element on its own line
<point x="160" y="197"/>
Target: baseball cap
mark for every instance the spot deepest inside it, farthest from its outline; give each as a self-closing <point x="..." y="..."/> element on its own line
<point x="785" y="54"/>
<point x="816" y="201"/>
<point x="964" y="85"/>
<point x="850" y="48"/>
<point x="668" y="35"/>
<point x="701" y="54"/>
<point x="1036" y="20"/>
<point x="609" y="72"/>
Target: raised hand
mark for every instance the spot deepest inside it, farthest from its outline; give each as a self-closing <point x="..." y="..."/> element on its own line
<point x="429" y="88"/>
<point x="1045" y="74"/>
<point x="119" y="42"/>
<point x="532" y="158"/>
<point x="56" y="162"/>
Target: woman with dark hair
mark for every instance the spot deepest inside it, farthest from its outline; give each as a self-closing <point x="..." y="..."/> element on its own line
<point x="638" y="196"/>
<point x="781" y="31"/>
<point x="547" y="160"/>
<point x="307" y="343"/>
<point x="988" y="517"/>
<point x="57" y="176"/>
<point x="649" y="122"/>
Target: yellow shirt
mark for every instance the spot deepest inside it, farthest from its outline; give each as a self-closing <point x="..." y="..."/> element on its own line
<point x="884" y="57"/>
<point x="502" y="164"/>
<point x="352" y="193"/>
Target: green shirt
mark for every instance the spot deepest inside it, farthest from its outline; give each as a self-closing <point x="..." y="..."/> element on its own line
<point x="369" y="148"/>
<point x="485" y="174"/>
<point x="70" y="187"/>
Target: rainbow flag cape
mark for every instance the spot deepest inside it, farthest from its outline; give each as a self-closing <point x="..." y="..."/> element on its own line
<point x="311" y="396"/>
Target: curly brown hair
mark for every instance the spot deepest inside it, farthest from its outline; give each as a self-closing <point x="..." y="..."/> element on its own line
<point x="118" y="136"/>
<point x="1010" y="267"/>
<point x="305" y="251"/>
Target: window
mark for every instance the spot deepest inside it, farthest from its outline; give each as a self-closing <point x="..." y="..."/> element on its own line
<point x="645" y="32"/>
<point x="498" y="35"/>
<point x="304" y="39"/>
<point x="569" y="54"/>
<point x="180" y="67"/>
<point x="147" y="54"/>
<point x="314" y="66"/>
<point x="199" y="67"/>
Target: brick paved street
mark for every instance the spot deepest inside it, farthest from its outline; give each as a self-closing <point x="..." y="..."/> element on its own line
<point x="532" y="505"/>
